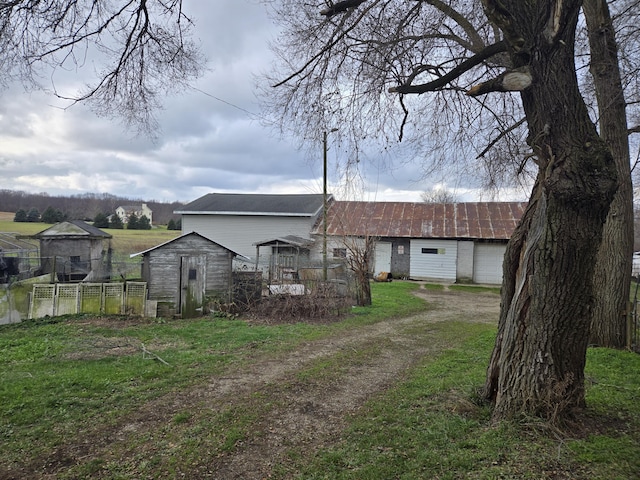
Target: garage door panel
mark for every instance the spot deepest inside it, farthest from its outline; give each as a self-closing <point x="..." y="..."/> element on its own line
<point x="487" y="263"/>
<point x="433" y="259"/>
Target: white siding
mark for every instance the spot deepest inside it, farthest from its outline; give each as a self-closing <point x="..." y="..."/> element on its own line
<point x="239" y="233"/>
<point x="487" y="262"/>
<point x="438" y="262"/>
<point x="464" y="270"/>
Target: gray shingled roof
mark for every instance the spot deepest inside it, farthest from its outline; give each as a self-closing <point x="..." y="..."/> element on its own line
<point x="72" y="228"/>
<point x="255" y="204"/>
<point x="180" y="238"/>
<point x="292" y="240"/>
<point x="481" y="220"/>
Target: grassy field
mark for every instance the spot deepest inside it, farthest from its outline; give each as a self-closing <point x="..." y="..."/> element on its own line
<point x="124" y="242"/>
<point x="58" y="376"/>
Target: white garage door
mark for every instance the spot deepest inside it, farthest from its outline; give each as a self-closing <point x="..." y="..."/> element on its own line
<point x="434" y="259"/>
<point x="487" y="262"/>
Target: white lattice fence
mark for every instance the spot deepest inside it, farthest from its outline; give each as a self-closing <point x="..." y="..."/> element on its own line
<point x="113" y="298"/>
<point x="136" y="298"/>
<point x="91" y="298"/>
<point x="67" y="296"/>
<point x="107" y="298"/>
<point x="42" y="301"/>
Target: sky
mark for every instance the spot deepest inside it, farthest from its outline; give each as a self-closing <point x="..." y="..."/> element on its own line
<point x="210" y="140"/>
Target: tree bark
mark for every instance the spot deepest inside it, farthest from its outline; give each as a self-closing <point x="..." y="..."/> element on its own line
<point x="537" y="367"/>
<point x="612" y="278"/>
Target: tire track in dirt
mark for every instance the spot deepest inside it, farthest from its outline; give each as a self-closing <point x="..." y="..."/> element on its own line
<point x="306" y="413"/>
<point x="314" y="415"/>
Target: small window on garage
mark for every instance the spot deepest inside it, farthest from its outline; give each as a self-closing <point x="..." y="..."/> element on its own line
<point x="400" y="249"/>
<point x="434" y="251"/>
<point x="193" y="274"/>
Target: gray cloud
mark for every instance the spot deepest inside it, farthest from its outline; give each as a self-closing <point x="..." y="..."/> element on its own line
<point x="211" y="137"/>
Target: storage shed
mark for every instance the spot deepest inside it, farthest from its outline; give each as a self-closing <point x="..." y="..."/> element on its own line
<point x="75" y="251"/>
<point x="185" y="272"/>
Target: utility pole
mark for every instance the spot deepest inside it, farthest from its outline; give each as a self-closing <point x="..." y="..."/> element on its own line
<point x="324" y="207"/>
<point x="324" y="203"/>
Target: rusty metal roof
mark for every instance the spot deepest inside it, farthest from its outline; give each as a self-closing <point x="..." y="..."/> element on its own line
<point x="479" y="220"/>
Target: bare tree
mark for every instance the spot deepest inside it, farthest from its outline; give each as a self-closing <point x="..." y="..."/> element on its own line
<point x="359" y="252"/>
<point x="139" y="50"/>
<point x="495" y="74"/>
<point x="438" y="195"/>
<point x="612" y="277"/>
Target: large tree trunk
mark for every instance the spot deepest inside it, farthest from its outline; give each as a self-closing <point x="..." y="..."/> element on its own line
<point x="537" y="367"/>
<point x="612" y="277"/>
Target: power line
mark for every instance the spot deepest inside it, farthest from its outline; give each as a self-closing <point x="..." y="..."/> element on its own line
<point x="251" y="114"/>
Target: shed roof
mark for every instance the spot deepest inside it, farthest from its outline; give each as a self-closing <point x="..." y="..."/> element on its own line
<point x="177" y="239"/>
<point x="72" y="229"/>
<point x="292" y="240"/>
<point x="481" y="220"/>
<point x="304" y="205"/>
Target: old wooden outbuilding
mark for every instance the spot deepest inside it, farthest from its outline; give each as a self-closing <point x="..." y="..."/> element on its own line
<point x="185" y="273"/>
<point x="75" y="251"/>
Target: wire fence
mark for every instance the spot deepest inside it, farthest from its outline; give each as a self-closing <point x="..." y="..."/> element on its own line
<point x="633" y="330"/>
<point x="14" y="268"/>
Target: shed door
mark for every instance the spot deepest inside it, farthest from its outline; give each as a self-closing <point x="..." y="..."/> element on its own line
<point x="382" y="261"/>
<point x="192" y="282"/>
<point x="487" y="262"/>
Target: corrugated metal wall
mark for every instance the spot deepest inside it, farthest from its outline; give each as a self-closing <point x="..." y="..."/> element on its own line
<point x="434" y="259"/>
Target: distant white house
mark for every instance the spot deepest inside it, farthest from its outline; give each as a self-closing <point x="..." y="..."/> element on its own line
<point x="125" y="211"/>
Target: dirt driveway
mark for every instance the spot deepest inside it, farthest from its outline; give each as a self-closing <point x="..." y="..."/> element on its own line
<point x="308" y="405"/>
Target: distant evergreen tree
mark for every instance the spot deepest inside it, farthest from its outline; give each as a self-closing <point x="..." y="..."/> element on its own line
<point x="53" y="215"/>
<point x="33" y="215"/>
<point x="174" y="224"/>
<point x="20" y="216"/>
<point x="144" y="223"/>
<point x="132" y="222"/>
<point x="115" y="222"/>
<point x="101" y="220"/>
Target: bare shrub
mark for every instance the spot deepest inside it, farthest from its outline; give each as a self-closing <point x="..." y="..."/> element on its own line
<point x="320" y="305"/>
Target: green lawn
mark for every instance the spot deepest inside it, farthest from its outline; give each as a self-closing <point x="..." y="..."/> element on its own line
<point x="62" y="376"/>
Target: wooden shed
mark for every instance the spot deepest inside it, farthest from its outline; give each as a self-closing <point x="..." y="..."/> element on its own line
<point x="183" y="274"/>
<point x="75" y="251"/>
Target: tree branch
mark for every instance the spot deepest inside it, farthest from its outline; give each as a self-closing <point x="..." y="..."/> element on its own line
<point x="511" y="81"/>
<point x="340" y="7"/>
<point x="502" y="134"/>
<point x="465" y="66"/>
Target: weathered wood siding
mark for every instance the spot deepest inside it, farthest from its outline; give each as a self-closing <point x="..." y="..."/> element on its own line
<point x="161" y="268"/>
<point x="240" y="232"/>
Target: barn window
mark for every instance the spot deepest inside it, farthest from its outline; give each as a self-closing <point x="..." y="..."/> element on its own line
<point x="74" y="259"/>
<point x="400" y="249"/>
<point x="339" y="253"/>
<point x="193" y="274"/>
